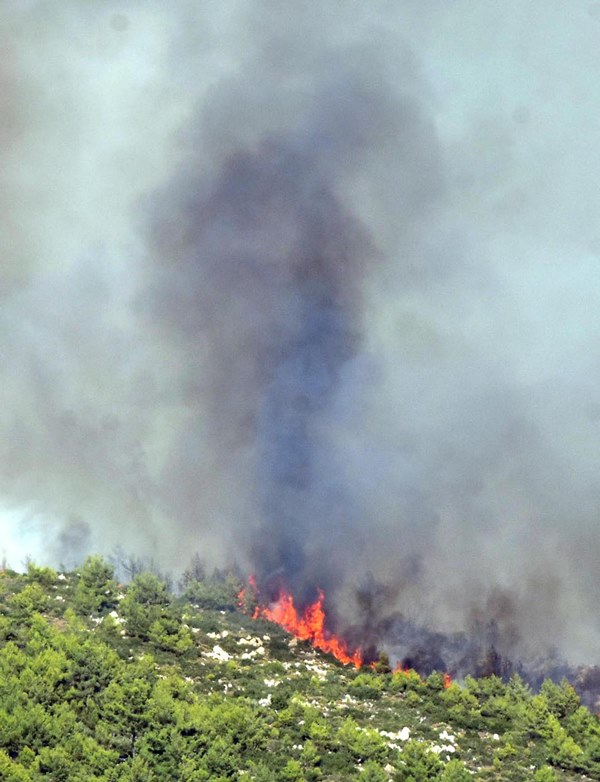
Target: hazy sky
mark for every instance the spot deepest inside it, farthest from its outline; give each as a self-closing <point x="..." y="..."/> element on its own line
<point x="310" y="285"/>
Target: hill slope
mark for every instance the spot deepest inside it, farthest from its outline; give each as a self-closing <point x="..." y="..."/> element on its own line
<point x="112" y="684"/>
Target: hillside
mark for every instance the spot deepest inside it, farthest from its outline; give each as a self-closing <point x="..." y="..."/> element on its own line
<point x="100" y="682"/>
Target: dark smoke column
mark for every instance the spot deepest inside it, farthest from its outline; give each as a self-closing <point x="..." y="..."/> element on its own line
<point x="263" y="264"/>
<point x="262" y="270"/>
<point x="315" y="331"/>
<point x="293" y="275"/>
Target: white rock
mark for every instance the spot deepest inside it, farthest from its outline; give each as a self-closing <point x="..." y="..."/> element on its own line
<point x="445" y="736"/>
<point x="219" y="654"/>
<point x="249" y="641"/>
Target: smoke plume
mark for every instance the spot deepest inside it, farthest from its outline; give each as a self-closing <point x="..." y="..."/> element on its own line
<point x="314" y="289"/>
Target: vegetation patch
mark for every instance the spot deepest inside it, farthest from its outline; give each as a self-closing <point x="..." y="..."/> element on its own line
<point x="105" y="683"/>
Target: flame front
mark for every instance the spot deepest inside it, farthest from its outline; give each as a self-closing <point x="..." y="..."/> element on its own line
<point x="308" y="626"/>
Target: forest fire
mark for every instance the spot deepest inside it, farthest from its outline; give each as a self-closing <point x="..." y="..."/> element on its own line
<point x="306" y="626"/>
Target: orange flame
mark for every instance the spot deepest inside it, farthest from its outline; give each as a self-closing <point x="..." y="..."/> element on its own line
<point x="308" y="626"/>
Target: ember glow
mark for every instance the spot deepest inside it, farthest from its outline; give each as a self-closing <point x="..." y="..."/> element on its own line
<point x="306" y="626"/>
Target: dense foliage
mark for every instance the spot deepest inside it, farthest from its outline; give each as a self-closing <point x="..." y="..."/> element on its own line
<point x="110" y="684"/>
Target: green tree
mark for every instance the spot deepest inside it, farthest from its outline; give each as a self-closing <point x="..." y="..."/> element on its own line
<point x="517" y="690"/>
<point x="562" y="699"/>
<point x="11" y="771"/>
<point x="310" y="760"/>
<point x="147" y="601"/>
<point x="169" y="634"/>
<point x="418" y="764"/>
<point x="562" y="749"/>
<point x="28" y="725"/>
<point x="291" y="772"/>
<point x="436" y="681"/>
<point x="592" y="755"/>
<point x="383" y="664"/>
<point x="364" y="743"/>
<point x="96" y="589"/>
<point x="29" y="601"/>
<point x="218" y="592"/>
<point x="367" y="685"/>
<point x="455" y="771"/>
<point x="54" y="763"/>
<point x="372" y="772"/>
<point x="125" y="707"/>
<point x="406" y="680"/>
<point x="582" y="725"/>
<point x="485" y="688"/>
<point x="93" y="667"/>
<point x="45" y="576"/>
<point x="545" y="774"/>
<point x="534" y="719"/>
<point x="260" y="772"/>
<point x="463" y="706"/>
<point x="135" y="770"/>
<point x="46" y="677"/>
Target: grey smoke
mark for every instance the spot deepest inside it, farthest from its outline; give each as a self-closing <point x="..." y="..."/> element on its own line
<point x="314" y="289"/>
<point x="262" y="266"/>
